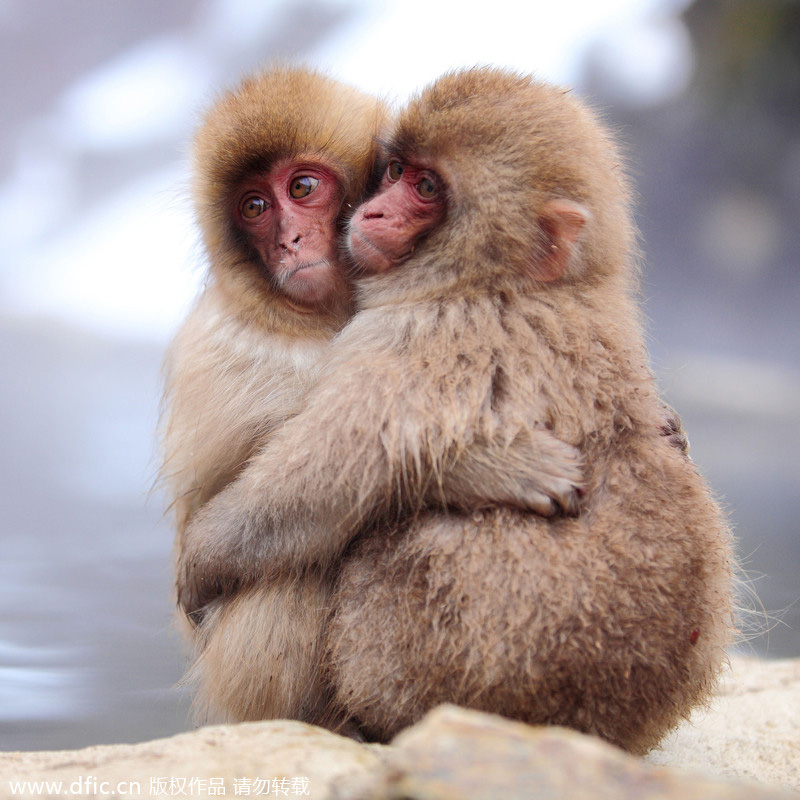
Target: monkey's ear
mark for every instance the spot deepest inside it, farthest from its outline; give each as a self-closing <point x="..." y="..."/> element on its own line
<point x="562" y="222"/>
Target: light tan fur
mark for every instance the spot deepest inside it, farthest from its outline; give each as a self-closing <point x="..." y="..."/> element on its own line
<point x="483" y="350"/>
<point x="239" y="367"/>
<point x="613" y="622"/>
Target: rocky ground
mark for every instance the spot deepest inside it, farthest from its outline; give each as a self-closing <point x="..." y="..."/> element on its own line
<point x="745" y="747"/>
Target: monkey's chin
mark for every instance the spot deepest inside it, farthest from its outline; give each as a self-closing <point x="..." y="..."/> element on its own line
<point x="310" y="284"/>
<point x="367" y="256"/>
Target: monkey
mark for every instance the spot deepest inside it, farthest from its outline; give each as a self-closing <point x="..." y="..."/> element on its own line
<point x="277" y="163"/>
<point x="613" y="622"/>
<point x="497" y="315"/>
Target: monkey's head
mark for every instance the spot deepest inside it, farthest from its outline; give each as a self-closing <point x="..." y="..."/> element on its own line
<point x="491" y="176"/>
<point x="278" y="163"/>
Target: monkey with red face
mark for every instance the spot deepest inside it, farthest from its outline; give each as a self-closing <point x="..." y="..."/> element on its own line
<point x="497" y="320"/>
<point x="277" y="166"/>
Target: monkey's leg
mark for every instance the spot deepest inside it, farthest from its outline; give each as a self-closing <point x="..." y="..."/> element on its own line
<point x="259" y="653"/>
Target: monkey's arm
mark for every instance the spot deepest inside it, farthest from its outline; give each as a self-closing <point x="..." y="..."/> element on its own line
<point x="298" y="504"/>
<point x="259" y="527"/>
<point x="228" y="385"/>
<point x="375" y="439"/>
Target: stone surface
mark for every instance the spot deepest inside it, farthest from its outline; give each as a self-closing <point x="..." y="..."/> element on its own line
<point x="454" y="753"/>
<point x="197" y="764"/>
<point x="750" y="731"/>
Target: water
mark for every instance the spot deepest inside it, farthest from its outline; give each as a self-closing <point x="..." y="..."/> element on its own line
<point x="87" y="650"/>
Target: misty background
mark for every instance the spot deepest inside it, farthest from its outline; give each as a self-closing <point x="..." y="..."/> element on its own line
<point x="99" y="261"/>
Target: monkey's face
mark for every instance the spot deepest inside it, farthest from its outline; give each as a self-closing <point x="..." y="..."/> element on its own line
<point x="289" y="217"/>
<point x="384" y="231"/>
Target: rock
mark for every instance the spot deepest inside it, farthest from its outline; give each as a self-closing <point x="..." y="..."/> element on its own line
<point x="455" y="753"/>
<point x="751" y="730"/>
<point x="288" y="754"/>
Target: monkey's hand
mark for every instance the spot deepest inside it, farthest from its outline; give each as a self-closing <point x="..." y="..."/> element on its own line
<point x="534" y="472"/>
<point x="251" y="531"/>
<point x="672" y="427"/>
<point x="210" y="562"/>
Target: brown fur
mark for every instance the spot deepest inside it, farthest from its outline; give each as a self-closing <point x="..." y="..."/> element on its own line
<point x="613" y="622"/>
<point x="239" y="367"/>
<point x="472" y="352"/>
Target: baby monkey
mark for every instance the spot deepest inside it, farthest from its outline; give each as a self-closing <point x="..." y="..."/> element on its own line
<point x="497" y="325"/>
<point x="279" y="163"/>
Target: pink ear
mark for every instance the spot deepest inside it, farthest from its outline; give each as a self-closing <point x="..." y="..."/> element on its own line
<point x="562" y="222"/>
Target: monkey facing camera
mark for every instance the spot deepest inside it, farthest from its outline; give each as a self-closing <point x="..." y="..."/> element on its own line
<point x="278" y="163"/>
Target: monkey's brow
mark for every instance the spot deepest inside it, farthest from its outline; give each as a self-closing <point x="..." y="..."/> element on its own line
<point x="389" y="147"/>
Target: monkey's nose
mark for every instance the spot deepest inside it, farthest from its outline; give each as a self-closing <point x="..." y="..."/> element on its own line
<point x="292" y="246"/>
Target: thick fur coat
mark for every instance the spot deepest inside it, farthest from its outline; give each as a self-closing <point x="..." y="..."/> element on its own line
<point x="614" y="622"/>
<point x="240" y="366"/>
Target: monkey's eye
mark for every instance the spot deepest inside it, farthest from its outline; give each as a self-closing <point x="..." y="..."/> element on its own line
<point x="253" y="206"/>
<point x="427" y="189"/>
<point x="302" y="186"/>
<point x="394" y="171"/>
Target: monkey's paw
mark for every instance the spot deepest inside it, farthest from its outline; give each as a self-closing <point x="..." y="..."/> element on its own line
<point x="563" y="496"/>
<point x="197" y="588"/>
<point x="672" y="427"/>
<point x="198" y="585"/>
<point x="556" y="484"/>
<point x="205" y="569"/>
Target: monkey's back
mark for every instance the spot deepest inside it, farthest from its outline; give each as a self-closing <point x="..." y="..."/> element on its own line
<point x="613" y="622"/>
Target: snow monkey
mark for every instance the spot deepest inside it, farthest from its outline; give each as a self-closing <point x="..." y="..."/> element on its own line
<point x="497" y="323"/>
<point x="504" y="206"/>
<point x="278" y="162"/>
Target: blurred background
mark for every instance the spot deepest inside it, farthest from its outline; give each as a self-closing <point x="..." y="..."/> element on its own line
<point x="98" y="261"/>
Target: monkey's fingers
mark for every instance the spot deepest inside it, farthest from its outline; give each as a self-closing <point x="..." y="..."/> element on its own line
<point x="679" y="440"/>
<point x="559" y="478"/>
<point x="570" y="500"/>
<point x="672" y="427"/>
<point x="563" y="496"/>
<point x="539" y="503"/>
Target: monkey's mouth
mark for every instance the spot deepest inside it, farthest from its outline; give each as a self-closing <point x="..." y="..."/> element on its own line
<point x="303" y="267"/>
<point x="309" y="264"/>
<point x="306" y="273"/>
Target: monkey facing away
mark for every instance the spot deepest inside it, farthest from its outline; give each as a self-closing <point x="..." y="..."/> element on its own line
<point x="277" y="164"/>
<point x="497" y="317"/>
